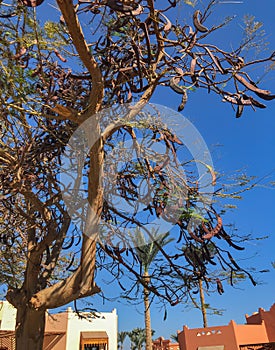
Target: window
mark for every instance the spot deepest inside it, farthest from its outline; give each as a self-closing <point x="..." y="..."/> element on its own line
<point x="90" y="347"/>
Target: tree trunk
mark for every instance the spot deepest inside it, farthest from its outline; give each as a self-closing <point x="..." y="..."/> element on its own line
<point x="203" y="308"/>
<point x="148" y="330"/>
<point x="29" y="330"/>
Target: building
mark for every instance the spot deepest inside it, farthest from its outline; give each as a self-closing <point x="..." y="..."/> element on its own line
<point x="257" y="334"/>
<point x="66" y="330"/>
<point x="165" y="344"/>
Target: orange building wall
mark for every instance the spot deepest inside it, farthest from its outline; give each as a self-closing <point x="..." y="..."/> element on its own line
<point x="191" y="339"/>
<point x="164" y="344"/>
<point x="250" y="334"/>
<point x="269" y="319"/>
<point x="260" y="329"/>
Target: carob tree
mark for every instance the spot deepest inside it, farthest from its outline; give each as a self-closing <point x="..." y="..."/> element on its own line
<point x="57" y="76"/>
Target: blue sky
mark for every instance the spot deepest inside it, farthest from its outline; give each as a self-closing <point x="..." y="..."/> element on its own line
<point x="246" y="144"/>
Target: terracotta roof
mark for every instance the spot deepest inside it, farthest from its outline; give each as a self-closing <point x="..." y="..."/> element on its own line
<point x="94" y="335"/>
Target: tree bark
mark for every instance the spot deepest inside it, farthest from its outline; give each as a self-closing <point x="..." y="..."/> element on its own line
<point x="203" y="308"/>
<point x="30" y="325"/>
<point x="147" y="315"/>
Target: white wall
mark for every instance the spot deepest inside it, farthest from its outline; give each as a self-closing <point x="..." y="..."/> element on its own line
<point x="105" y="322"/>
<point x="7" y="316"/>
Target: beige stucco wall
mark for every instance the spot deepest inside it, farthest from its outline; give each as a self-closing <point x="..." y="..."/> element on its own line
<point x="7" y="316"/>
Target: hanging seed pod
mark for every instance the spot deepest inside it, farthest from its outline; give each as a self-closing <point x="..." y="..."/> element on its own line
<point x="252" y="87"/>
<point x="239" y="111"/>
<point x="32" y="3"/>
<point x="173" y="83"/>
<point x="197" y="23"/>
<point x="214" y="231"/>
<point x="183" y="101"/>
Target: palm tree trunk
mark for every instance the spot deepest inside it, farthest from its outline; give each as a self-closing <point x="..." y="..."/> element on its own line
<point x="148" y="330"/>
<point x="203" y="307"/>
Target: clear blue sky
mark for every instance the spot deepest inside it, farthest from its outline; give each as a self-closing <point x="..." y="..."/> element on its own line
<point x="247" y="143"/>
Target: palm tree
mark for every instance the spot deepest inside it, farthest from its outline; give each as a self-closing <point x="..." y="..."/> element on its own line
<point x="175" y="337"/>
<point x="194" y="254"/>
<point x="138" y="338"/>
<point x="146" y="253"/>
<point x="121" y="338"/>
<point x="202" y="302"/>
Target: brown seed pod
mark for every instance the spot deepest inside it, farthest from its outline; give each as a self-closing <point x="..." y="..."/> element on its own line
<point x="174" y="85"/>
<point x="192" y="69"/>
<point x="261" y="93"/>
<point x="168" y="24"/>
<point x="197" y="23"/>
<point x="239" y="111"/>
<point x="137" y="11"/>
<point x="20" y="53"/>
<point x="256" y="103"/>
<point x="265" y="97"/>
<point x="214" y="231"/>
<point x="65" y="112"/>
<point x="59" y="56"/>
<point x="125" y="7"/>
<point x="179" y="71"/>
<point x="32" y="3"/>
<point x="231" y="99"/>
<point x="244" y="100"/>
<point x="183" y="101"/>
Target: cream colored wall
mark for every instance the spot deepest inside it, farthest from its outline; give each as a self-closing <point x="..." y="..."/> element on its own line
<point x="105" y="322"/>
<point x="7" y="316"/>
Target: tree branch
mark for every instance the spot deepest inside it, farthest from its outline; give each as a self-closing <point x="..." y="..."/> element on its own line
<point x="75" y="30"/>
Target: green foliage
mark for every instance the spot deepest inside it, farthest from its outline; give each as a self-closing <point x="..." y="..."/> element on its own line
<point x="147" y="252"/>
<point x="174" y="337"/>
<point x="192" y="3"/>
<point x="233" y="277"/>
<point x="23" y="54"/>
<point x="217" y="312"/>
<point x="138" y="338"/>
<point x="254" y="34"/>
<point x="56" y="32"/>
<point x="121" y="336"/>
<point x="251" y="26"/>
